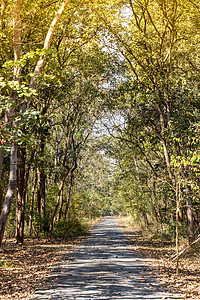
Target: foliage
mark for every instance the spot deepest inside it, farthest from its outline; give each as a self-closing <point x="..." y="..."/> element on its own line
<point x="113" y="124"/>
<point x="69" y="229"/>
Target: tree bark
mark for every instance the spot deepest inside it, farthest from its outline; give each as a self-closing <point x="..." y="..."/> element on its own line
<point x="3" y="8"/>
<point x="16" y="76"/>
<point x="20" y="202"/>
<point x="10" y="191"/>
<point x="41" y="192"/>
<point x="23" y="177"/>
<point x="47" y="42"/>
<point x="57" y="205"/>
<point x="1" y="162"/>
<point x="30" y="227"/>
<point x="155" y="202"/>
<point x="59" y="214"/>
<point x="177" y="224"/>
<point x="1" y="183"/>
<point x="189" y="215"/>
<point x="68" y="195"/>
<point x="8" y="119"/>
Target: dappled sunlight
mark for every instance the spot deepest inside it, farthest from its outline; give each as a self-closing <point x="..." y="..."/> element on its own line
<point x="103" y="267"/>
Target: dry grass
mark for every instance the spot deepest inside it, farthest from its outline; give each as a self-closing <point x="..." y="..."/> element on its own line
<point x="159" y="253"/>
<point x="25" y="268"/>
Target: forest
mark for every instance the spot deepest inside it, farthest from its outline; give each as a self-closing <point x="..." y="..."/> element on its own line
<point x="100" y="115"/>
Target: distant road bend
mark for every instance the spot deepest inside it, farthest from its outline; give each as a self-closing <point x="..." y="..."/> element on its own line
<point x="103" y="267"/>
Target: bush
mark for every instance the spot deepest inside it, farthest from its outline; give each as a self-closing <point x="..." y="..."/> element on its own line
<point x="69" y="229"/>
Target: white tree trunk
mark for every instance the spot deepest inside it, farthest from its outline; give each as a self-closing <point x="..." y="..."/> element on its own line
<point x="17" y="72"/>
<point x="47" y="42"/>
<point x="8" y="118"/>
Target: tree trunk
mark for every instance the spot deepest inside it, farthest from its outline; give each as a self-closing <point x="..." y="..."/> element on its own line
<point x="1" y="183"/>
<point x="8" y="119"/>
<point x="16" y="76"/>
<point x="189" y="215"/>
<point x="1" y="162"/>
<point x="145" y="219"/>
<point x="163" y="127"/>
<point x="20" y="202"/>
<point x="41" y="192"/>
<point x="68" y="195"/>
<point x="177" y="224"/>
<point x="59" y="214"/>
<point x="30" y="227"/>
<point x="3" y="8"/>
<point x="23" y="177"/>
<point x="1" y="196"/>
<point x="155" y="202"/>
<point x="57" y="205"/>
<point x="47" y="42"/>
<point x="11" y="190"/>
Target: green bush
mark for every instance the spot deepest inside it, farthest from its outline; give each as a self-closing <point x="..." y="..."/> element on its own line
<point x="69" y="229"/>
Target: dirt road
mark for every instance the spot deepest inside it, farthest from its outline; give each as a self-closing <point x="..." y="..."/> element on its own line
<point x="103" y="267"/>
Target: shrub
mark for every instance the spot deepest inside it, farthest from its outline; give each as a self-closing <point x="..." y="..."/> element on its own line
<point x="69" y="229"/>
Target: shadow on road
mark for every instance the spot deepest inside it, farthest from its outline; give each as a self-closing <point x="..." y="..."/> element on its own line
<point x="104" y="267"/>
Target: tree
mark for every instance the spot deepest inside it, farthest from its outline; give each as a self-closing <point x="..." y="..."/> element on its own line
<point x="25" y="104"/>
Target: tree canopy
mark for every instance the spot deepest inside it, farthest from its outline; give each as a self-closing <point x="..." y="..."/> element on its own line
<point x="99" y="114"/>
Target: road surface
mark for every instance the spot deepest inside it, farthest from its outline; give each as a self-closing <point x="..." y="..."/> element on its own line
<point x="103" y="267"/>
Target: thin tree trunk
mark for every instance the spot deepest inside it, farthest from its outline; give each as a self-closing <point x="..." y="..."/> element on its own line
<point x="189" y="215"/>
<point x="23" y="177"/>
<point x="41" y="192"/>
<point x="155" y="202"/>
<point x="59" y="214"/>
<point x="11" y="190"/>
<point x="1" y="162"/>
<point x="30" y="227"/>
<point x="177" y="225"/>
<point x="16" y="76"/>
<point x="163" y="127"/>
<point x="56" y="206"/>
<point x="68" y="196"/>
<point x="8" y="119"/>
<point x="47" y="42"/>
<point x="20" y="202"/>
<point x="1" y="183"/>
<point x="3" y="8"/>
<point x="145" y="219"/>
<point x="1" y="196"/>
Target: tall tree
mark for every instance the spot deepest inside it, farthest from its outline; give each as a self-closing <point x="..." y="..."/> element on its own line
<point x="25" y="104"/>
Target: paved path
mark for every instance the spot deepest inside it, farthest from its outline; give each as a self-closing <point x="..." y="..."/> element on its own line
<point x="103" y="267"/>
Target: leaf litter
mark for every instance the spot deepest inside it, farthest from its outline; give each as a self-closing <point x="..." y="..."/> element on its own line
<point x="25" y="268"/>
<point x="159" y="253"/>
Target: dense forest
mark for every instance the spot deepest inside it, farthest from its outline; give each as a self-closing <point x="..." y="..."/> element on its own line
<point x="100" y="115"/>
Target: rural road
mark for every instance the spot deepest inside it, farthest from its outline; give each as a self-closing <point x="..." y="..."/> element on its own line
<point x="103" y="267"/>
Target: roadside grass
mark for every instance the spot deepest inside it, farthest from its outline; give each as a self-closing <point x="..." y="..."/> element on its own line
<point x="158" y="250"/>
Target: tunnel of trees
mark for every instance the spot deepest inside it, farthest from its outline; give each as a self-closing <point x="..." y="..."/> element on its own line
<point x="100" y="114"/>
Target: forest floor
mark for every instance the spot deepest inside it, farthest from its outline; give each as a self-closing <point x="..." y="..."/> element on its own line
<point x="159" y="253"/>
<point x="25" y="268"/>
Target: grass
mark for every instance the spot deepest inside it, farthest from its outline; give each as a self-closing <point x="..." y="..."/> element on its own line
<point x="158" y="251"/>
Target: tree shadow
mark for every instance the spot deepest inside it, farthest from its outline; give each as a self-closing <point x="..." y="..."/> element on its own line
<point x="104" y="267"/>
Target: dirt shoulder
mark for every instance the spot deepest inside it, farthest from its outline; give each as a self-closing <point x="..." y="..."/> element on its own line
<point x="159" y="253"/>
<point x="25" y="268"/>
